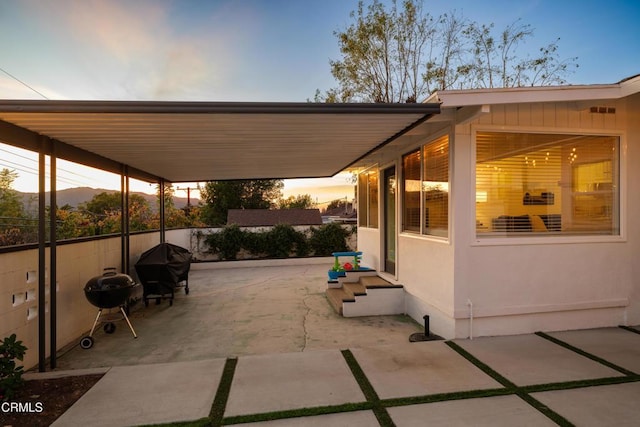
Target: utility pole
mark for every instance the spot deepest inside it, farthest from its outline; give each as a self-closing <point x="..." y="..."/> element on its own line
<point x="188" y="190"/>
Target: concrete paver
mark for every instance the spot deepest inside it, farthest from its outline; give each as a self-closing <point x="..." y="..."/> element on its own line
<point x="345" y="419"/>
<point x="148" y="394"/>
<point x="611" y="405"/>
<point x="530" y="359"/>
<point x="418" y="369"/>
<point x="487" y="411"/>
<point x="615" y="345"/>
<point x="277" y="382"/>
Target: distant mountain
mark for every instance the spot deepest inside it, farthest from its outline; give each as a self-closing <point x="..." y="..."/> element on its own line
<point x="75" y="196"/>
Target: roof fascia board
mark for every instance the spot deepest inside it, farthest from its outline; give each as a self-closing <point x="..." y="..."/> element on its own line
<point x="461" y="98"/>
<point x="631" y="86"/>
<point x="168" y="107"/>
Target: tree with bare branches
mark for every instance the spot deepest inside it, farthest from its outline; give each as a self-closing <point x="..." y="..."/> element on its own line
<point x="404" y="54"/>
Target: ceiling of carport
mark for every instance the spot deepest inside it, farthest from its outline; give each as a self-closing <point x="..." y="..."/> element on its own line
<point x="195" y="141"/>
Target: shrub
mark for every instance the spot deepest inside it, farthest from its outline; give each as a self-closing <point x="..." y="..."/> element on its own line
<point x="328" y="238"/>
<point x="283" y="240"/>
<point x="257" y="244"/>
<point x="228" y="242"/>
<point x="10" y="375"/>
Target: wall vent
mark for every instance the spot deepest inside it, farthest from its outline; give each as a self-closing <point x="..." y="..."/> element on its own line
<point x="603" y="110"/>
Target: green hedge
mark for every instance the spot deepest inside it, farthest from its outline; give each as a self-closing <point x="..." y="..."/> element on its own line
<point x="282" y="241"/>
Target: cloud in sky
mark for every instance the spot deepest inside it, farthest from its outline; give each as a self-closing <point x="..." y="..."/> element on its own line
<point x="133" y="50"/>
<point x="256" y="50"/>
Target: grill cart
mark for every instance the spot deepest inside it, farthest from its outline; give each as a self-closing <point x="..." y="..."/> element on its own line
<point x="161" y="270"/>
<point x="108" y="291"/>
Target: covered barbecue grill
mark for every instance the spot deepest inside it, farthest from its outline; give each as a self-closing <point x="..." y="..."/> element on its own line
<point x="105" y="292"/>
<point x="161" y="270"/>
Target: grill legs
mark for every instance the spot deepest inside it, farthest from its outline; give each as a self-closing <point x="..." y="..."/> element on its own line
<point x="93" y="328"/>
<point x="128" y="323"/>
<point x="87" y="342"/>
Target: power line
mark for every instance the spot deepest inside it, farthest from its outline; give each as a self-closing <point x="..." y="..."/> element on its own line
<point x="22" y="83"/>
<point x="29" y="165"/>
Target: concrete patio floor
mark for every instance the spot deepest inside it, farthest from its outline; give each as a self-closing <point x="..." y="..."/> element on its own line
<point x="237" y="309"/>
<point x="257" y="347"/>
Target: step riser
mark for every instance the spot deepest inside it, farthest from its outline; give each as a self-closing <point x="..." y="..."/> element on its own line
<point x="377" y="302"/>
<point x="354" y="276"/>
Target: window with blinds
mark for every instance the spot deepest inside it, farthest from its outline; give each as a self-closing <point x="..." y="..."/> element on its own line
<point x="411" y="192"/>
<point x="435" y="187"/>
<point x="425" y="189"/>
<point x="546" y="184"/>
<point x="368" y="199"/>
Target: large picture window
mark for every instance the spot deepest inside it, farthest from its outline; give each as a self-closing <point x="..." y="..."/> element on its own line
<point x="368" y="199"/>
<point x="546" y="184"/>
<point x="425" y="197"/>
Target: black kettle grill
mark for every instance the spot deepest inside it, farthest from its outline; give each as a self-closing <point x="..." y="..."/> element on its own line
<point x="110" y="290"/>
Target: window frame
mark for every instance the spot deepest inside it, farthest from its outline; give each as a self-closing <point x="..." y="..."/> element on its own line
<point x="420" y="148"/>
<point x="367" y="210"/>
<point x="536" y="239"/>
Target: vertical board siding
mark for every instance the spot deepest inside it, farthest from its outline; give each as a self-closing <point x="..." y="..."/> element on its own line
<point x="560" y="115"/>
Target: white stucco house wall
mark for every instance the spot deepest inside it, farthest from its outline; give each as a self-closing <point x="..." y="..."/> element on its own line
<point x="513" y="211"/>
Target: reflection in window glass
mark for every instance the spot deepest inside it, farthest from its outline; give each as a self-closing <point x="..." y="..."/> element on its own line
<point x="368" y="199"/>
<point x="546" y="184"/>
<point x="373" y="199"/>
<point x="435" y="187"/>
<point x="425" y="174"/>
<point x="411" y="192"/>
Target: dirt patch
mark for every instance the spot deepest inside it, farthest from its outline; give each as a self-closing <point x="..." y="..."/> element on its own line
<point x="46" y="400"/>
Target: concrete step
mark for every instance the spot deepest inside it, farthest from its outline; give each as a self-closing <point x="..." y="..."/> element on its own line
<point x="337" y="297"/>
<point x="355" y="289"/>
<point x="345" y="294"/>
<point x="370" y="296"/>
<point x="379" y="301"/>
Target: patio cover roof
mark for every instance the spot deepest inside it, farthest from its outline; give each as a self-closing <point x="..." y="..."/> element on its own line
<point x="200" y="141"/>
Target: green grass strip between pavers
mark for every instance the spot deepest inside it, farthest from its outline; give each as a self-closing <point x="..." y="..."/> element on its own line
<point x="569" y="385"/>
<point x="548" y="412"/>
<point x="202" y="422"/>
<point x="297" y="413"/>
<point x="481" y="365"/>
<point x="587" y="354"/>
<point x="442" y="397"/>
<point x="369" y="392"/>
<point x="544" y="409"/>
<point x="222" y="394"/>
<point x="630" y="329"/>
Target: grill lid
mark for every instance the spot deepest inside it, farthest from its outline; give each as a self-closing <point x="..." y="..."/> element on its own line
<point x="110" y="290"/>
<point x="109" y="280"/>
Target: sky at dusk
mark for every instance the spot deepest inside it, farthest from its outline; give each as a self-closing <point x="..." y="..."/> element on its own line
<point x="257" y="50"/>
